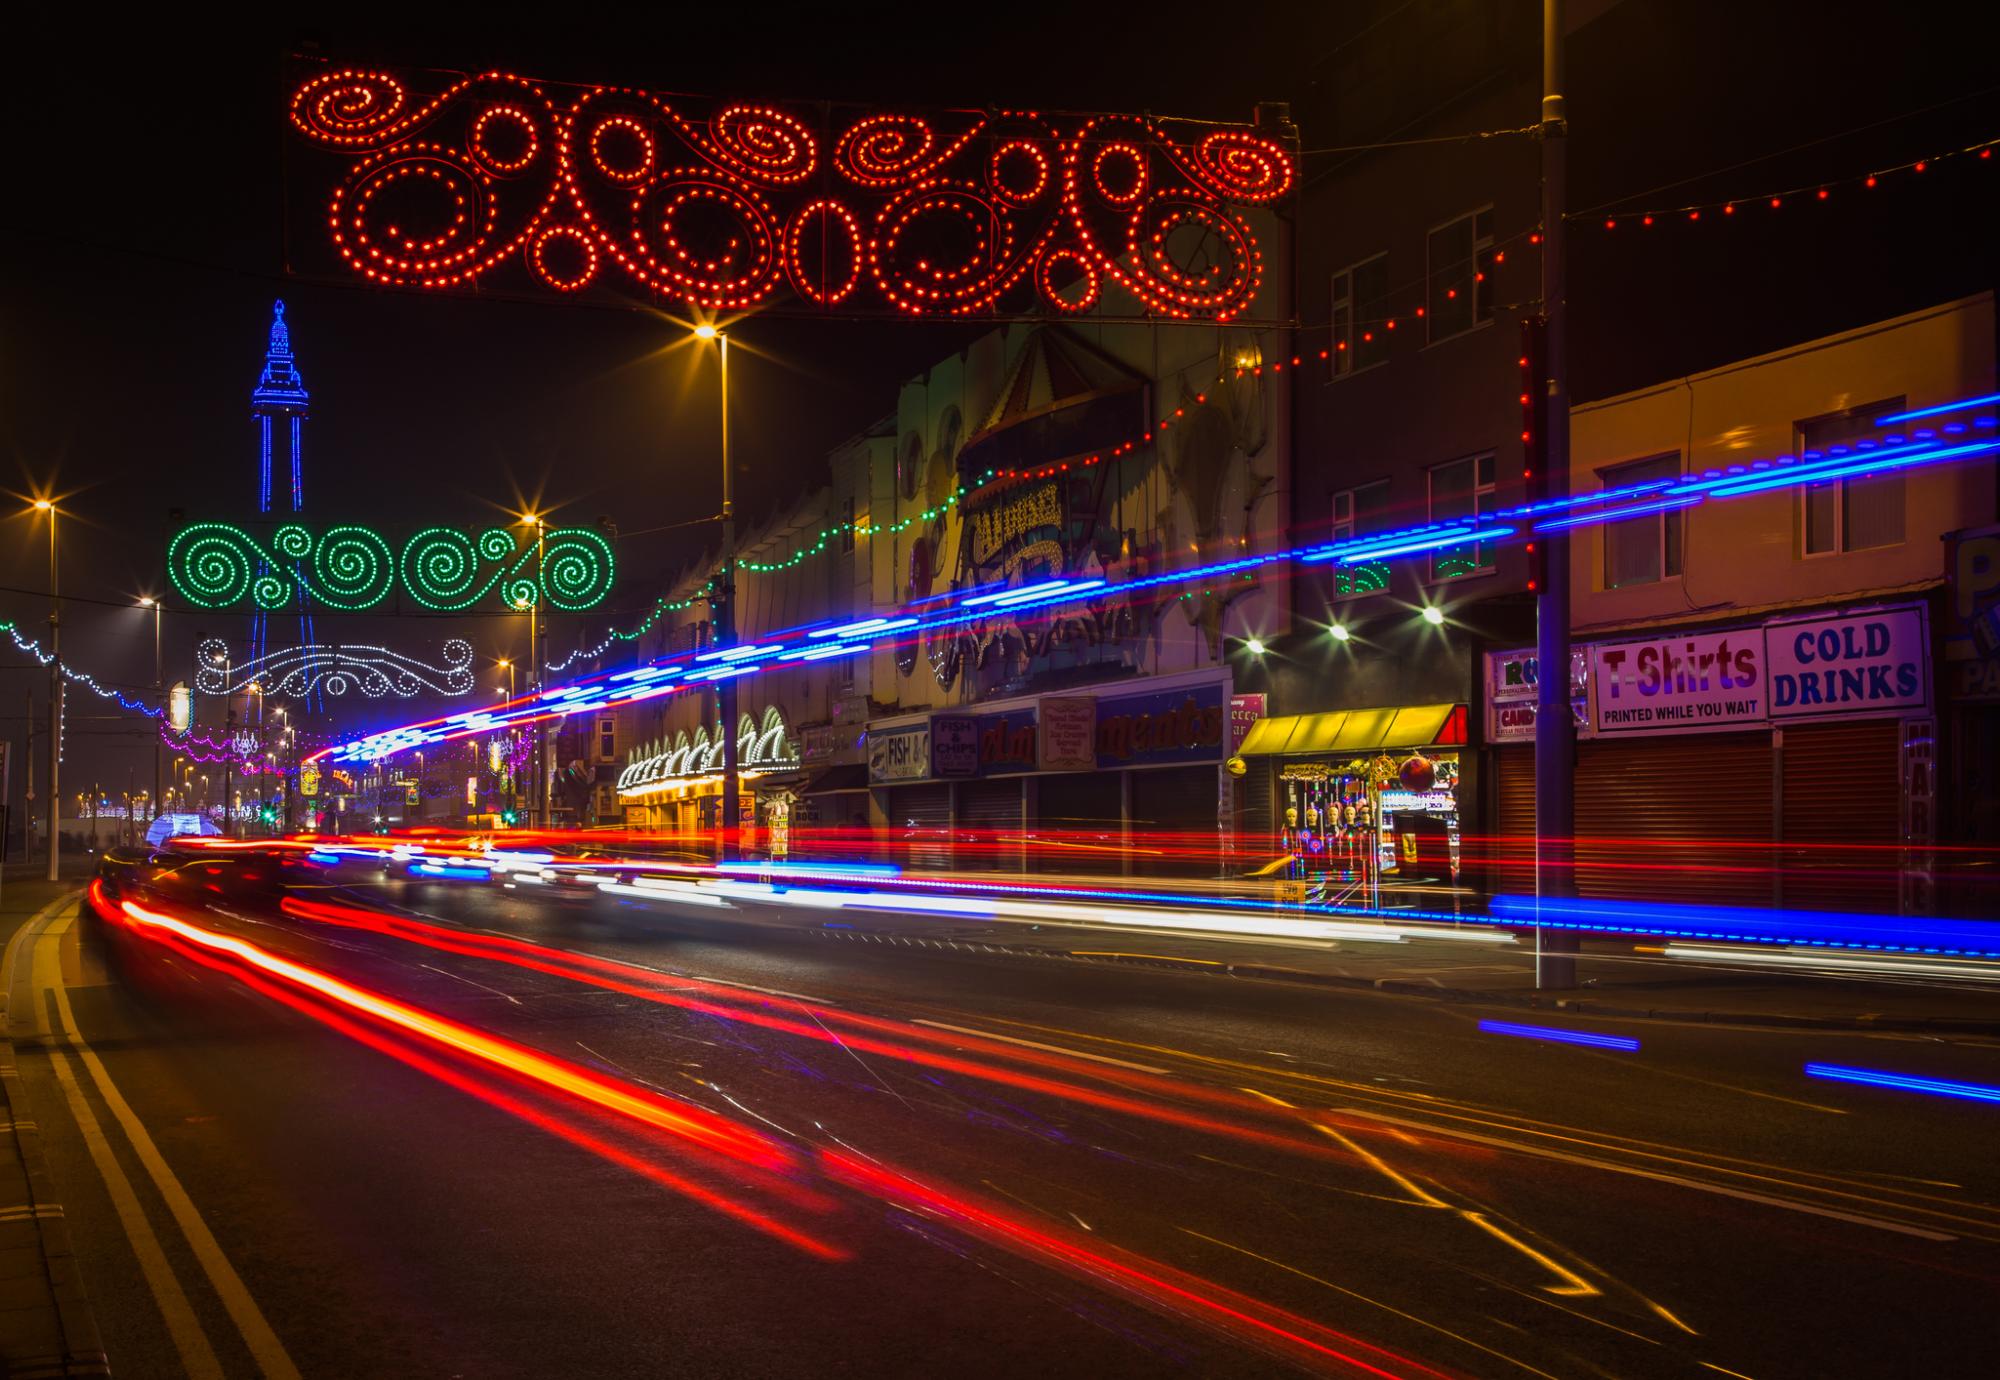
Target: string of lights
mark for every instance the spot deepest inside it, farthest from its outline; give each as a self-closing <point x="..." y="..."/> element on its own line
<point x="1948" y="433"/>
<point x="1800" y="194"/>
<point x="662" y="605"/>
<point x="76" y="677"/>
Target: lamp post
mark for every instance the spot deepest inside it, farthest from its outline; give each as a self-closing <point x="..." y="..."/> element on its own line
<point x="725" y="611"/>
<point x="539" y="757"/>
<point x="44" y="505"/>
<point x="159" y="746"/>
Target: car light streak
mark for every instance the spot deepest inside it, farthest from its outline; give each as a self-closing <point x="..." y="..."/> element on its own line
<point x="1937" y="1087"/>
<point x="1744" y="925"/>
<point x="684" y="1120"/>
<point x="1558" y="1036"/>
<point x="1236" y="1315"/>
<point x="1825" y="962"/>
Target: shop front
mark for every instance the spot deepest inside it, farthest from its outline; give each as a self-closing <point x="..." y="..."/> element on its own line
<point x="1363" y="796"/>
<point x="1076" y="782"/>
<point x="1782" y="763"/>
<point x="673" y="787"/>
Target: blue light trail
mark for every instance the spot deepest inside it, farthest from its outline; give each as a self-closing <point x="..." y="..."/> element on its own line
<point x="1936" y="1087"/>
<point x="1561" y="1037"/>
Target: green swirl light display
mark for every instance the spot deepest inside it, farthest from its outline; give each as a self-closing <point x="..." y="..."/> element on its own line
<point x="216" y="565"/>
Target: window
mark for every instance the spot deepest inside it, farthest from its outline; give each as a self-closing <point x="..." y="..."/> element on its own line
<point x="847" y="527"/>
<point x="1360" y="316"/>
<point x="1853" y="514"/>
<point x="606" y="739"/>
<point x="1460" y="261"/>
<point x="1357" y="511"/>
<point x="1642" y="550"/>
<point x="1462" y="489"/>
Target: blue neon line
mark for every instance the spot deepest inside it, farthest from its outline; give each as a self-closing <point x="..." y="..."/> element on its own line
<point x="1938" y="411"/>
<point x="1937" y="1087"/>
<point x="1663" y="505"/>
<point x="1561" y="1037"/>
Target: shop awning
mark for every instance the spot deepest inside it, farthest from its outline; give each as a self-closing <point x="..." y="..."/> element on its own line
<point x="846" y="776"/>
<point x="1356" y="730"/>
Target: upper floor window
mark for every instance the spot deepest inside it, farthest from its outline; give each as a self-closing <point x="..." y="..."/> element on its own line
<point x="1462" y="489"/>
<point x="1642" y="550"/>
<point x="1358" y="511"/>
<point x="1360" y="316"/>
<point x="1459" y="270"/>
<point x="607" y="735"/>
<point x="1854" y="513"/>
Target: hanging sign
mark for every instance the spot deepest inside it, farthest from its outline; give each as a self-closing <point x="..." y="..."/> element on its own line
<point x="1068" y="737"/>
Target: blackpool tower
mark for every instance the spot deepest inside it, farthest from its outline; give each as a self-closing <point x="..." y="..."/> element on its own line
<point x="280" y="405"/>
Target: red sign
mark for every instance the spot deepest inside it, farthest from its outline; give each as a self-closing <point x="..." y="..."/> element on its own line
<point x="1244" y="711"/>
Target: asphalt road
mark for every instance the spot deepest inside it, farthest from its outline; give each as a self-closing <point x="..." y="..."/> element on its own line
<point x="907" y="1161"/>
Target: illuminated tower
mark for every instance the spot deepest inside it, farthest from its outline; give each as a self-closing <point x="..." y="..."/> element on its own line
<point x="279" y="403"/>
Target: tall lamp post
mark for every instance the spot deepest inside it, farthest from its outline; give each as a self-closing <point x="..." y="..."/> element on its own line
<point x="540" y="755"/>
<point x="44" y="505"/>
<point x="159" y="745"/>
<point x="725" y="611"/>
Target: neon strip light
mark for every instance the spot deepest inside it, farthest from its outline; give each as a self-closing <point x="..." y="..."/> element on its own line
<point x="1561" y="1037"/>
<point x="600" y="691"/>
<point x="1743" y="925"/>
<point x="1662" y="505"/>
<point x="1964" y="404"/>
<point x="1937" y="1087"/>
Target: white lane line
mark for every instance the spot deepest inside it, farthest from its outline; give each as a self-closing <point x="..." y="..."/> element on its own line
<point x="1037" y="1044"/>
<point x="460" y="977"/>
<point x="265" y="1349"/>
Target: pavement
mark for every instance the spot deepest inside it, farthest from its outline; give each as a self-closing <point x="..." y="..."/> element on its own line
<point x="47" y="1328"/>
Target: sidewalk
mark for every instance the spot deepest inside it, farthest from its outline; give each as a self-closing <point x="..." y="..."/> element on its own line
<point x="46" y="1326"/>
<point x="1615" y="976"/>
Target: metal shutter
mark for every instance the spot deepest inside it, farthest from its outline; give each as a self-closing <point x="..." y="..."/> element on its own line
<point x="1173" y="820"/>
<point x="1842" y="816"/>
<point x="1080" y="817"/>
<point x="989" y="824"/>
<point x="1502" y="855"/>
<point x="920" y="822"/>
<point x="1678" y="818"/>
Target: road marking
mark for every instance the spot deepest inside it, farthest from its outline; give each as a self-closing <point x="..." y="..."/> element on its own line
<point x="1590" y="1162"/>
<point x="265" y="1348"/>
<point x="1037" y="1044"/>
<point x="12" y="957"/>
<point x="191" y="1343"/>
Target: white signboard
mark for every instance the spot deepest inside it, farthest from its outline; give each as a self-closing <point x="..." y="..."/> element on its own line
<point x="1850" y="664"/>
<point x="1684" y="683"/>
<point x="899" y="754"/>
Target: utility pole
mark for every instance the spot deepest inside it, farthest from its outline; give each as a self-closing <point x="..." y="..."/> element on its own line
<point x="732" y="784"/>
<point x="55" y="699"/>
<point x="1555" y="733"/>
<point x="228" y="764"/>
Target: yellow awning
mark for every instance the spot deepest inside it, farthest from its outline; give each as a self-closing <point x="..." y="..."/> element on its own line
<point x="1346" y="730"/>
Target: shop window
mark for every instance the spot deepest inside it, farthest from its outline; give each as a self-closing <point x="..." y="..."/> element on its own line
<point x="1459" y="273"/>
<point x="1642" y="550"/>
<point x="1462" y="489"/>
<point x="1857" y="513"/>
<point x="1361" y="316"/>
<point x="1357" y="511"/>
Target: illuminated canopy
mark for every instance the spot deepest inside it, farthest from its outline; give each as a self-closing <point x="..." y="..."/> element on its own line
<point x="450" y="182"/>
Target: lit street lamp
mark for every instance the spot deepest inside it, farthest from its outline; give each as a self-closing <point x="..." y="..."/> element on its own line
<point x="159" y="746"/>
<point x="44" y="505"/>
<point x="725" y="609"/>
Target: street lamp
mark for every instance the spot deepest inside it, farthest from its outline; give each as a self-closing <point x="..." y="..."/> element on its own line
<point x="45" y="505"/>
<point x="507" y="665"/>
<point x="725" y="608"/>
<point x="159" y="745"/>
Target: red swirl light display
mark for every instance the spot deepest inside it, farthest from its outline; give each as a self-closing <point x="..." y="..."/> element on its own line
<point x="963" y="213"/>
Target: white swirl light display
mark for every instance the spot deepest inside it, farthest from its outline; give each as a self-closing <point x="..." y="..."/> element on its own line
<point x="335" y="669"/>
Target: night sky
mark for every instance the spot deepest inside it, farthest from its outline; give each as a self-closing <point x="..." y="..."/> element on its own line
<point x="146" y="244"/>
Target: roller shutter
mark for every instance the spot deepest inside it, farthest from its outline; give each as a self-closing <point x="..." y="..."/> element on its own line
<point x="1173" y="820"/>
<point x="1505" y="852"/>
<point x="920" y="822"/>
<point x="1681" y="818"/>
<point x="1842" y="816"/>
<point x="1080" y="821"/>
<point x="989" y="825"/>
